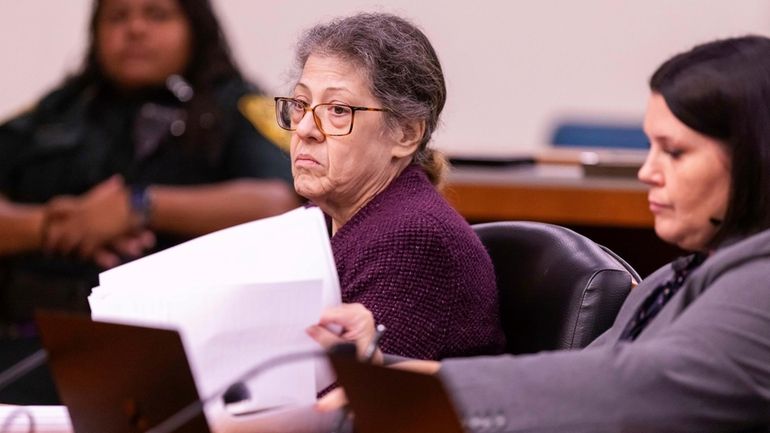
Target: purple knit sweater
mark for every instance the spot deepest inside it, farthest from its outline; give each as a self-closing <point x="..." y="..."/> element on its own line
<point x="420" y="268"/>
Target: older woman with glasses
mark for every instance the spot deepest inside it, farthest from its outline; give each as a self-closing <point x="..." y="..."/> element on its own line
<point x="362" y="113"/>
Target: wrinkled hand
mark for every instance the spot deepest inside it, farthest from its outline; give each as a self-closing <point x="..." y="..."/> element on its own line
<point x="334" y="400"/>
<point x="124" y="248"/>
<point x="87" y="223"/>
<point x="357" y="325"/>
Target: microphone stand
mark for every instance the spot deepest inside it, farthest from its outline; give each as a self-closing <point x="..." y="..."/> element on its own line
<point x="184" y="415"/>
<point x="16" y="371"/>
<point x="188" y="412"/>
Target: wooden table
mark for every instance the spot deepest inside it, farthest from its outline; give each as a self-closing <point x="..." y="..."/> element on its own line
<point x="612" y="211"/>
<point x="558" y="194"/>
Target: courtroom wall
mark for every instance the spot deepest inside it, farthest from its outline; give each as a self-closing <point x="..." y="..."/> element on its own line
<point x="512" y="67"/>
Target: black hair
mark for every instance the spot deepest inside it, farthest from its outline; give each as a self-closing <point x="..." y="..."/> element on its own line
<point x="722" y="89"/>
<point x="211" y="60"/>
<point x="210" y="64"/>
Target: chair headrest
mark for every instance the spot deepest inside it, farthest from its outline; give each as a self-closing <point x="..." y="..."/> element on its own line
<point x="558" y="289"/>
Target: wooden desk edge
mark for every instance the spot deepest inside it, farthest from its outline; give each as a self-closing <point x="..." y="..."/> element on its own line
<point x="554" y="204"/>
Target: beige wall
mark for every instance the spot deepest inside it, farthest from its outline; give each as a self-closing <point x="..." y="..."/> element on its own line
<point x="512" y="67"/>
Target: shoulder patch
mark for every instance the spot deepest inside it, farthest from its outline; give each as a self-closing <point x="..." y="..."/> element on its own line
<point x="260" y="111"/>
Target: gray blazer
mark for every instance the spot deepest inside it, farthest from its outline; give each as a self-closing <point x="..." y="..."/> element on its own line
<point x="702" y="365"/>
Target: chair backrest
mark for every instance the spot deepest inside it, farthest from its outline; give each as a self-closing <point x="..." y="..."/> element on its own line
<point x="558" y="289"/>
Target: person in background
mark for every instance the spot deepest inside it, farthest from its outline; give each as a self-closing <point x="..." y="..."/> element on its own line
<point x="690" y="348"/>
<point x="362" y="113"/>
<point x="140" y="150"/>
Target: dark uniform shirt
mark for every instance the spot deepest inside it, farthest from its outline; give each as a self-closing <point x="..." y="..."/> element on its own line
<point x="75" y="139"/>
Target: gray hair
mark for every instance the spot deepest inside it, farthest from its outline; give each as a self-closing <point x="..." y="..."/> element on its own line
<point x="402" y="67"/>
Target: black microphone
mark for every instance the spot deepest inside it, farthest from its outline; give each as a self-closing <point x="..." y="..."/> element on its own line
<point x="715" y="221"/>
<point x="236" y="392"/>
<point x="233" y="393"/>
<point x="21" y="368"/>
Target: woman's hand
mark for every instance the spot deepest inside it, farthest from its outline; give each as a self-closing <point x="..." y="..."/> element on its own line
<point x="334" y="400"/>
<point x="357" y="325"/>
<point x="86" y="223"/>
<point x="123" y="249"/>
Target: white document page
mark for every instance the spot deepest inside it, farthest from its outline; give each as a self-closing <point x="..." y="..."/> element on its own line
<point x="238" y="297"/>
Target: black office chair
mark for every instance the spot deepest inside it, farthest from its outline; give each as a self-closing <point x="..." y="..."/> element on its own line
<point x="558" y="289"/>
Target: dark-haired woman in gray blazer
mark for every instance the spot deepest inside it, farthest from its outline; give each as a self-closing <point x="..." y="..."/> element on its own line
<point x="690" y="348"/>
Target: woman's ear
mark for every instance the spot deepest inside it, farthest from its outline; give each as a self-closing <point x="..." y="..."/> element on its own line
<point x="408" y="138"/>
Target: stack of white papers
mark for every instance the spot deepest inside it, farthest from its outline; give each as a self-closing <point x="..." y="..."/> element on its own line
<point x="38" y="419"/>
<point x="238" y="297"/>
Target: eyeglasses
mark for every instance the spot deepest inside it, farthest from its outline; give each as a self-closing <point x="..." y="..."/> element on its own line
<point x="332" y="119"/>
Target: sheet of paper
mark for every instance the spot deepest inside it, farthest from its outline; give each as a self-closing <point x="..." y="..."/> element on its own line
<point x="292" y="246"/>
<point x="229" y="330"/>
<point x="38" y="419"/>
<point x="239" y="298"/>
